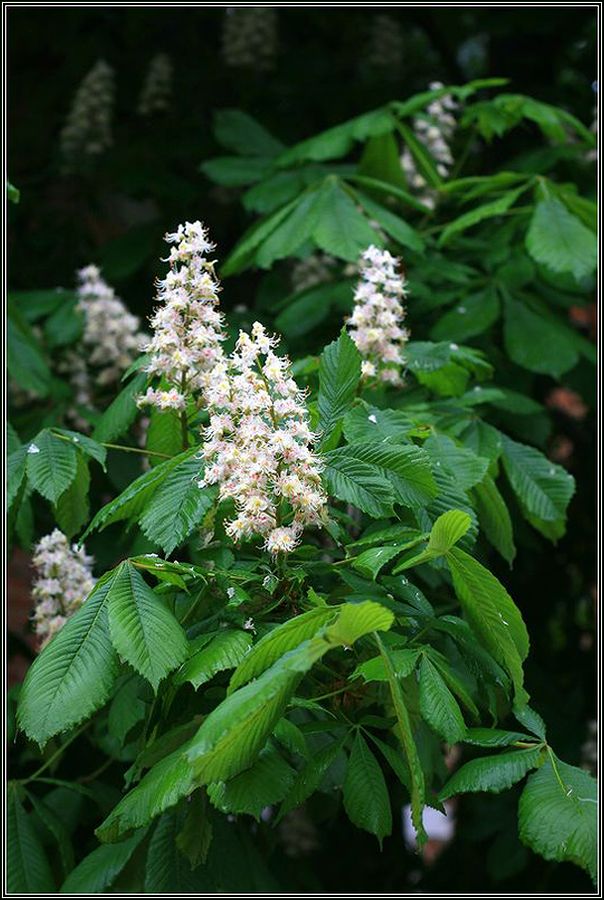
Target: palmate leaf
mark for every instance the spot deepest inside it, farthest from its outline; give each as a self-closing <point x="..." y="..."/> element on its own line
<point x="458" y="461"/>
<point x="403" y="663"/>
<point x="339" y="376"/>
<point x="495" y="737"/>
<point x="480" y="213"/>
<point x="16" y="465"/>
<point x="293" y="231"/>
<point x="122" y="412"/>
<point x="143" y="630"/>
<point x="396" y="227"/>
<point x="177" y="506"/>
<point x="364" y="424"/>
<point x="365" y="794"/>
<point x="472" y="316"/>
<point x="266" y="782"/>
<point x="74" y="674"/>
<point x="341" y="230"/>
<point x="72" y="509"/>
<point x="97" y="871"/>
<point x="494" y="518"/>
<point x="492" y="773"/>
<point x="437" y="704"/>
<point x="492" y="614"/>
<point x="51" y="465"/>
<point x="543" y="488"/>
<point x="310" y="777"/>
<point x="558" y="814"/>
<point x="28" y="869"/>
<point x="223" y="651"/>
<point x="536" y="342"/>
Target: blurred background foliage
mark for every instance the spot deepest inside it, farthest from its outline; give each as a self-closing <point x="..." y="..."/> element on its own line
<point x="328" y="66"/>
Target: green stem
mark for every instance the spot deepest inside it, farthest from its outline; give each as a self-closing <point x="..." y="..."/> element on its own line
<point x="63" y="437"/>
<point x="86" y="778"/>
<point x="58" y="752"/>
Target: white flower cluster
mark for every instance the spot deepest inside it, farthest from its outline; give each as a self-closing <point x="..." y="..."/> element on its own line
<point x="385" y="44"/>
<point x="314" y="270"/>
<point x="87" y="131"/>
<point x="157" y="88"/>
<point x="375" y="323"/>
<point x="435" y="131"/>
<point x="63" y="581"/>
<point x="258" y="446"/>
<point x="249" y="37"/>
<point x="111" y="338"/>
<point x="188" y="328"/>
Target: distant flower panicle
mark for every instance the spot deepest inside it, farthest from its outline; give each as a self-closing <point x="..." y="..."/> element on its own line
<point x="87" y="131"/>
<point x="249" y="37"/>
<point x="435" y="131"/>
<point x="157" y="87"/>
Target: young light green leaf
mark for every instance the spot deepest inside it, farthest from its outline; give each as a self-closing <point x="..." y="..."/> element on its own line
<point x="356" y="620"/>
<point x="74" y="674"/>
<point x="143" y="631"/>
<point x="365" y="794"/>
<point x="448" y="529"/>
<point x="492" y="773"/>
<point x="438" y="705"/>
<point x="558" y="815"/>
<point x="403" y="663"/>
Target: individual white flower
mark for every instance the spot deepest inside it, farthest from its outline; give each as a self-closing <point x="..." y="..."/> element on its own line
<point x="435" y="129"/>
<point x="376" y="321"/>
<point x="258" y="445"/>
<point x="87" y="131"/>
<point x="62" y="582"/>
<point x="249" y="37"/>
<point x="188" y="327"/>
<point x="385" y="44"/>
<point x="157" y="88"/>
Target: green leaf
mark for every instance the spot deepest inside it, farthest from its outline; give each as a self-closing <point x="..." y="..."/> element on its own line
<point x="448" y="529"/>
<point x="473" y="315"/>
<point x="236" y="171"/>
<point x="164" y="785"/>
<point x="238" y="131"/>
<point x="356" y="620"/>
<point x="492" y="614"/>
<point x="337" y="141"/>
<point x="405" y="736"/>
<point x="243" y="253"/>
<point x="364" y="423"/>
<point x="358" y="483"/>
<point x="407" y="468"/>
<point x="143" y="631"/>
<point x="480" y="213"/>
<point x="122" y="412"/>
<point x="543" y="488"/>
<point x="392" y="224"/>
<point x="278" y="642"/>
<point x="365" y="794"/>
<point x="55" y="827"/>
<point x="177" y="506"/>
<point x="371" y="562"/>
<point x="231" y="737"/>
<point x="495" y="737"/>
<point x="385" y="187"/>
<point x="460" y="462"/>
<point x="558" y="815"/>
<point x="492" y="773"/>
<point x="25" y="362"/>
<point x="339" y="376"/>
<point x="438" y="705"/>
<point x="127" y="709"/>
<point x="224" y="651"/>
<point x="265" y="783"/>
<point x="28" y="869"/>
<point x="195" y="837"/>
<point x="75" y="673"/>
<point x="341" y="229"/>
<point x="293" y="231"/>
<point x="72" y="509"/>
<point x="99" y="869"/>
<point x="309" y="778"/>
<point x="16" y="465"/>
<point x="13" y="193"/>
<point x="403" y="664"/>
<point x="494" y="518"/>
<point x="51" y="465"/>
<point x="82" y="442"/>
<point x="421" y="156"/>
<point x="164" y="434"/>
<point x="560" y="241"/>
<point x="535" y="343"/>
<point x="132" y="502"/>
<point x="531" y="720"/>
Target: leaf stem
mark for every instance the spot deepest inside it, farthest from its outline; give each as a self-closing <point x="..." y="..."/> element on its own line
<point x="58" y="752"/>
